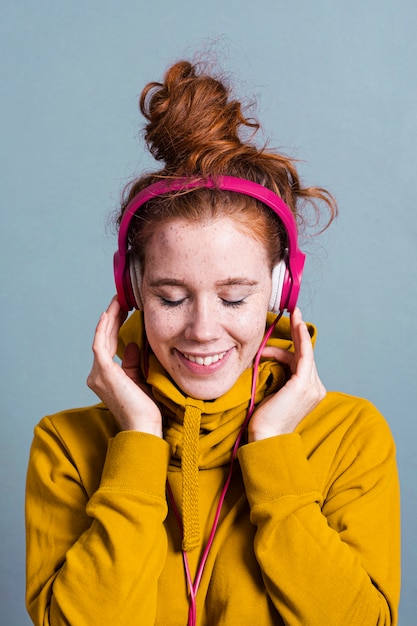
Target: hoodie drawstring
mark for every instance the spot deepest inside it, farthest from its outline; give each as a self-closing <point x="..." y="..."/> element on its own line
<point x="189" y="470"/>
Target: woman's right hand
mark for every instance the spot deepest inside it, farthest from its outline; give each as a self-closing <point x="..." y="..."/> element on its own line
<point x="120" y="387"/>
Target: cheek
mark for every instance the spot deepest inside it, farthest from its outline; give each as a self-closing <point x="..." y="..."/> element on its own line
<point x="156" y="326"/>
<point x="162" y="326"/>
<point x="252" y="329"/>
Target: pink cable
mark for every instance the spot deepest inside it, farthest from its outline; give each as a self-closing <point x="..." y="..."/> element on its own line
<point x="193" y="586"/>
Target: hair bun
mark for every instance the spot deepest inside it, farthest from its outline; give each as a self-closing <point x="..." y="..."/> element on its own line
<point x="197" y="129"/>
<point x="191" y="121"/>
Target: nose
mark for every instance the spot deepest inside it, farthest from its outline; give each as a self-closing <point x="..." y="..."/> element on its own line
<point x="203" y="323"/>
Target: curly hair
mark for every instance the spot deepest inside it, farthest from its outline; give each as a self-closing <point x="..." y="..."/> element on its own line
<point x="195" y="129"/>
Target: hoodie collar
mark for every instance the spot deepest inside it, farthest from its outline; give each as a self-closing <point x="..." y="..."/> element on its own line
<point x="220" y="418"/>
<point x="202" y="433"/>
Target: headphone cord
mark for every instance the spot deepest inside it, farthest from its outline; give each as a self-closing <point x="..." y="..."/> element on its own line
<point x="194" y="585"/>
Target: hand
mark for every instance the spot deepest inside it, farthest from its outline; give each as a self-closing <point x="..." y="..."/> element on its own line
<point x="281" y="412"/>
<point x="120" y="388"/>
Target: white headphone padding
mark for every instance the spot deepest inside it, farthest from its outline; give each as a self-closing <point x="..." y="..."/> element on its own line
<point x="278" y="276"/>
<point x="136" y="279"/>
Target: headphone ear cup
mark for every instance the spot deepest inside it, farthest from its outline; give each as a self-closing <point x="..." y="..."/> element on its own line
<point x="122" y="281"/>
<point x="135" y="272"/>
<point x="278" y="277"/>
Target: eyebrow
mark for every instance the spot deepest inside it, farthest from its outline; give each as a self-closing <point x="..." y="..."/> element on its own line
<point x="228" y="282"/>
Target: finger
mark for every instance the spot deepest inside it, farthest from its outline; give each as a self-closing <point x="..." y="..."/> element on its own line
<point x="296" y="321"/>
<point x="278" y="354"/>
<point x="301" y="343"/>
<point x="303" y="347"/>
<point x="99" y="341"/>
<point x="107" y="330"/>
<point x="116" y="314"/>
<point x="131" y="361"/>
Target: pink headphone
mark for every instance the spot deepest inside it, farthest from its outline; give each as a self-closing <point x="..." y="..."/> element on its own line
<point x="286" y="275"/>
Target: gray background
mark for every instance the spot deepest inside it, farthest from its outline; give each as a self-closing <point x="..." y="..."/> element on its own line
<point x="335" y="83"/>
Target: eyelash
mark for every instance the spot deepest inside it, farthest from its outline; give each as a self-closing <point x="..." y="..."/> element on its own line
<point x="227" y="303"/>
<point x="171" y="303"/>
<point x="233" y="304"/>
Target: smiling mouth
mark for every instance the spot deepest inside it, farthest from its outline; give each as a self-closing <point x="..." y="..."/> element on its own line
<point x="206" y="360"/>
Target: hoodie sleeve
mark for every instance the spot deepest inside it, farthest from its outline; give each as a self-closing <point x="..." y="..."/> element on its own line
<point x="327" y="518"/>
<point x="86" y="555"/>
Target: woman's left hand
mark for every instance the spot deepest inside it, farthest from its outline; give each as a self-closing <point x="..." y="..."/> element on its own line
<point x="281" y="412"/>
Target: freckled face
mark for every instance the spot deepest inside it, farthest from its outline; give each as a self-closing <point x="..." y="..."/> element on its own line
<point x="205" y="290"/>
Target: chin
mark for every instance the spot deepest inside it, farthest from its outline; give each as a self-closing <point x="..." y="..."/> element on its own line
<point x="205" y="391"/>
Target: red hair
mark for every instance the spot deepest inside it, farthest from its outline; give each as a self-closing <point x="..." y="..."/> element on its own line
<point x="194" y="127"/>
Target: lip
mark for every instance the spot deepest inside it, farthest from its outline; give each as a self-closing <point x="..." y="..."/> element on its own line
<point x="199" y="368"/>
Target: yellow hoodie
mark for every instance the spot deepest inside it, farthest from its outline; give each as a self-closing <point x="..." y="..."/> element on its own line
<point x="308" y="533"/>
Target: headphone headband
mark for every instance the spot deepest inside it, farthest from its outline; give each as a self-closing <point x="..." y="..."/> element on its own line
<point x="287" y="293"/>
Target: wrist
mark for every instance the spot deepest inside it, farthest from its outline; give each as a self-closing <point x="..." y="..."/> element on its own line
<point x="282" y="427"/>
<point x="141" y="425"/>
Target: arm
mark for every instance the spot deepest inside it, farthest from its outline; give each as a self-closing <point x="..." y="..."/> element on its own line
<point x="86" y="555"/>
<point x="327" y="536"/>
<point x="321" y="481"/>
<point x="88" y="549"/>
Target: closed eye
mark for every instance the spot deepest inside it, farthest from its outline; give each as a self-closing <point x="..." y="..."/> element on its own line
<point x="171" y="303"/>
<point x="233" y="303"/>
<point x="177" y="303"/>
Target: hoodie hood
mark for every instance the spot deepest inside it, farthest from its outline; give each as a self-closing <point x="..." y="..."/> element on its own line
<point x="202" y="433"/>
<point x="216" y="414"/>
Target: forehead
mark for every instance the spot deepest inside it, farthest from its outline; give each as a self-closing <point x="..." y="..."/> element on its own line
<point x="209" y="244"/>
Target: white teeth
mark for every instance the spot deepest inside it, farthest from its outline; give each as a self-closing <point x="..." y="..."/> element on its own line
<point x="206" y="360"/>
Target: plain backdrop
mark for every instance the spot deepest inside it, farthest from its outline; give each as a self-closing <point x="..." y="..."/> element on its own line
<point x="335" y="86"/>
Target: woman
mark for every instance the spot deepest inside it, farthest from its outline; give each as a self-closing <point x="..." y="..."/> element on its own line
<point x="217" y="482"/>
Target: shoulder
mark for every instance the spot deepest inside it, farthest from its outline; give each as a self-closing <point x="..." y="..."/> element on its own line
<point x="347" y="414"/>
<point x="92" y="421"/>
<point x="346" y="431"/>
<point x="75" y="442"/>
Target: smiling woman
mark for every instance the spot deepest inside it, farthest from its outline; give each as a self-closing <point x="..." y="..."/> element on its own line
<point x="217" y="481"/>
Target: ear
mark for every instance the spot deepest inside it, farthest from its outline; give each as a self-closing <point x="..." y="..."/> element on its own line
<point x="278" y="277"/>
<point x="136" y="279"/>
